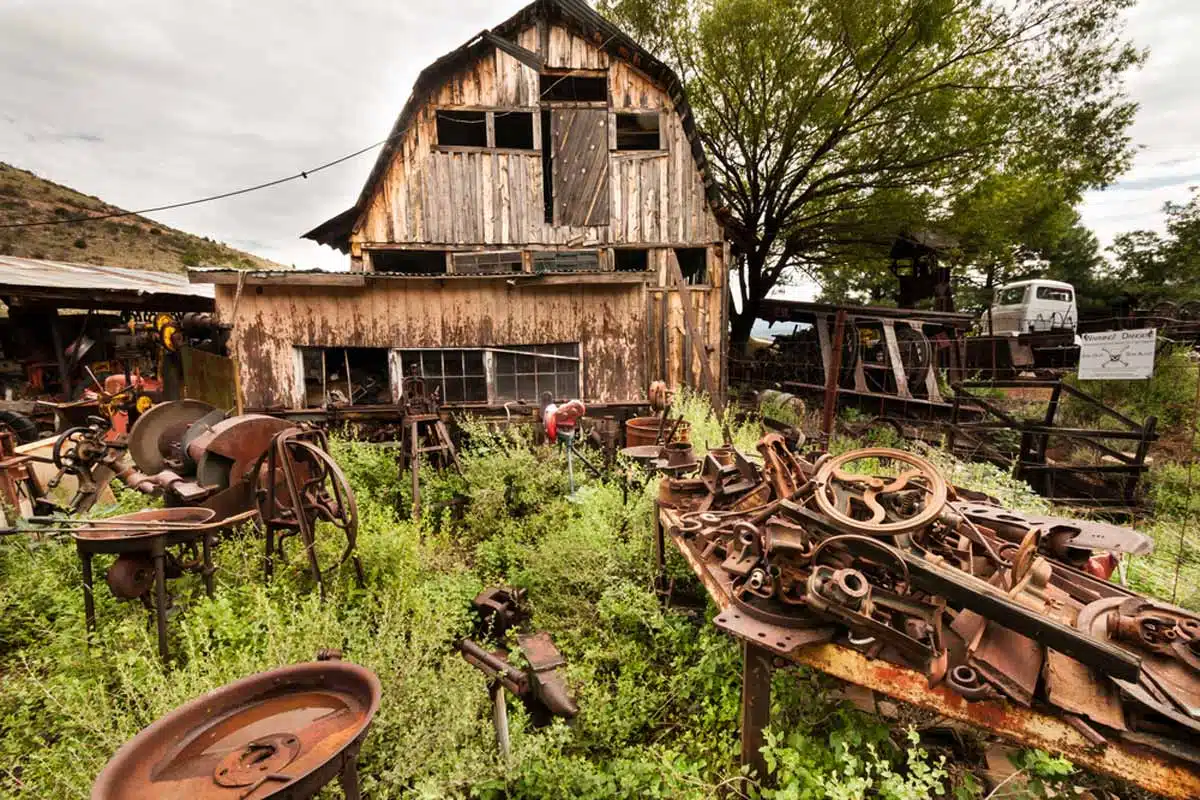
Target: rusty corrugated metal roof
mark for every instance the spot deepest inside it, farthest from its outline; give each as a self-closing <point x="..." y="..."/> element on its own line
<point x="35" y="281"/>
<point x="37" y="273"/>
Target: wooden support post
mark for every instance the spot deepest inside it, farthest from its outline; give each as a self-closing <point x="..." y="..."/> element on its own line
<point x="756" y="706"/>
<point x="831" y="377"/>
<point x="897" y="363"/>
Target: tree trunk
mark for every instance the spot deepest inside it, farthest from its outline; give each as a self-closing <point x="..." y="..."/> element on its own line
<point x="740" y="325"/>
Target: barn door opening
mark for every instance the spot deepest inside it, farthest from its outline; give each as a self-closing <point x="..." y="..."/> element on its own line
<point x="579" y="140"/>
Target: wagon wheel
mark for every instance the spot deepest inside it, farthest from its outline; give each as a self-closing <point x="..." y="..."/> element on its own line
<point x="65" y="453"/>
<point x="314" y="490"/>
<point x="880" y="506"/>
<point x="1190" y="311"/>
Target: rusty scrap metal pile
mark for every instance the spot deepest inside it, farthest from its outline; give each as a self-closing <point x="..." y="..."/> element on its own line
<point x="875" y="550"/>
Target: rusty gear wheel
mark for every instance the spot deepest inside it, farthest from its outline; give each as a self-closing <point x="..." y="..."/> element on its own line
<point x="880" y="506"/>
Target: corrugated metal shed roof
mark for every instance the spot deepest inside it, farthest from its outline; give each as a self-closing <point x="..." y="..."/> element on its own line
<point x="96" y="286"/>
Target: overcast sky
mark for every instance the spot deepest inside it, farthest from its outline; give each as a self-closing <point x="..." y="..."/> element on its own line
<point x="148" y="102"/>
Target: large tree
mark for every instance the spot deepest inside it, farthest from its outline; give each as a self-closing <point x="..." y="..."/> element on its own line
<point x="1154" y="266"/>
<point x="832" y="125"/>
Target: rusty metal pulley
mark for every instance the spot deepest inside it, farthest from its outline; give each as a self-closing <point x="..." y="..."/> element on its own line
<point x="880" y="506"/>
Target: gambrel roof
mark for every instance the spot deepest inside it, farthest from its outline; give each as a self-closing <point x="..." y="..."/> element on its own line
<point x="575" y="15"/>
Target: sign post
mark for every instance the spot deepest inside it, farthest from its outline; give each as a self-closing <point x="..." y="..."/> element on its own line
<point x="1117" y="355"/>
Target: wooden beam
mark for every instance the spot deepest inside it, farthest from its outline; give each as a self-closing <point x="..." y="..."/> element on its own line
<point x="280" y="278"/>
<point x="689" y="319"/>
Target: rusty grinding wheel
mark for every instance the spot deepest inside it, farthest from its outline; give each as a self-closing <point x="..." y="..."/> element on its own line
<point x="156" y="439"/>
<point x="283" y="733"/>
<point x="880" y="506"/>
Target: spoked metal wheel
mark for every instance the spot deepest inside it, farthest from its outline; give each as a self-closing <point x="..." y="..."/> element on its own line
<point x="299" y="486"/>
<point x="862" y="502"/>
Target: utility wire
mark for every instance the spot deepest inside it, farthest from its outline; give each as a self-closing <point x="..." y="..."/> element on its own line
<point x="210" y="198"/>
<point x="268" y="184"/>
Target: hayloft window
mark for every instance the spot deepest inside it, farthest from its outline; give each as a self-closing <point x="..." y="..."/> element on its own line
<point x="631" y="259"/>
<point x="462" y="128"/>
<point x="693" y="263"/>
<point x="409" y="262"/>
<point x="514" y="130"/>
<point x="570" y="87"/>
<point x="638" y="131"/>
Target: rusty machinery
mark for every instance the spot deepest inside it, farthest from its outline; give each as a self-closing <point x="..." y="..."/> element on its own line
<point x="875" y="550"/>
<point x="285" y="733"/>
<point x="213" y="472"/>
<point x="195" y="455"/>
<point x="540" y="685"/>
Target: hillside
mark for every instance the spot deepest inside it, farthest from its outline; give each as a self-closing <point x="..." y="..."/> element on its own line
<point x="134" y="242"/>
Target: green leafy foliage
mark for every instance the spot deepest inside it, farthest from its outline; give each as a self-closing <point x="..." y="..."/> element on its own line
<point x="831" y="126"/>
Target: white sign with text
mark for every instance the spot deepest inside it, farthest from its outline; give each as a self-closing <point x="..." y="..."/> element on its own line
<point x="1117" y="355"/>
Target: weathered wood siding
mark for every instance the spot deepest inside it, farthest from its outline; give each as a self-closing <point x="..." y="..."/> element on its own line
<point x="495" y="198"/>
<point x="608" y="320"/>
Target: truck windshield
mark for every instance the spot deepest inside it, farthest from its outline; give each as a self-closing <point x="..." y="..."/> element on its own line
<point x="1051" y="293"/>
<point x="1010" y="297"/>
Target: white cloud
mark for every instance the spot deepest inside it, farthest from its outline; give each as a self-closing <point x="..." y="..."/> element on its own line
<point x="1167" y="127"/>
<point x="144" y="103"/>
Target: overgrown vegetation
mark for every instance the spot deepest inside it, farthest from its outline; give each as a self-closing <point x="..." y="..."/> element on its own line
<point x="658" y="687"/>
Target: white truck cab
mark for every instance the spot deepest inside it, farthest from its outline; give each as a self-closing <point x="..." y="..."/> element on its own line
<point x="1031" y="306"/>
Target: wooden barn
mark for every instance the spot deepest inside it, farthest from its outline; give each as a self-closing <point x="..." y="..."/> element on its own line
<point x="540" y="219"/>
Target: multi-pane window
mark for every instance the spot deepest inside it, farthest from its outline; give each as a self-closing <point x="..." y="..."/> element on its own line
<point x="458" y="375"/>
<point x="566" y="261"/>
<point x="523" y="373"/>
<point x="334" y="375"/>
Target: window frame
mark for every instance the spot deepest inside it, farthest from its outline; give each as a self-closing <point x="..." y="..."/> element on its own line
<point x="400" y="356"/>
<point x="489" y="119"/>
<point x="615" y="144"/>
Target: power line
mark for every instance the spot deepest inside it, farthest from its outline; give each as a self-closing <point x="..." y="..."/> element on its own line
<point x="210" y="198"/>
<point x="268" y="184"/>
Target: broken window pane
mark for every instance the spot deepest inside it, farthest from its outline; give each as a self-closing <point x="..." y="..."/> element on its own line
<point x="409" y="262"/>
<point x="631" y="260"/>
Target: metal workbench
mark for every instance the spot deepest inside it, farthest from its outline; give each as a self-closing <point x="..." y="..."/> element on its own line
<point x="1027" y="727"/>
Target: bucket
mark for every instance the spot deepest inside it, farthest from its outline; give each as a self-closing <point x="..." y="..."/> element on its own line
<point x="644" y="430"/>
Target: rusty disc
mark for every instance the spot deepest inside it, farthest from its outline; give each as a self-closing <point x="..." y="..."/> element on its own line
<point x="277" y="733"/>
<point x="157" y="436"/>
